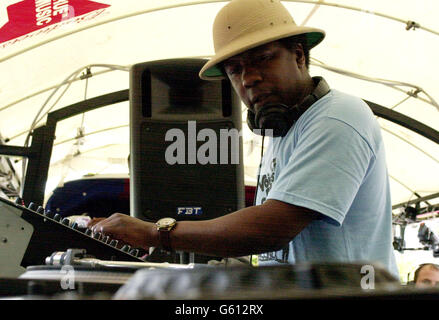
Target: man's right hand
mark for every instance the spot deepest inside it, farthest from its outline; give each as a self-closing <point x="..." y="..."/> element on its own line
<point x="93" y="221"/>
<point x="130" y="230"/>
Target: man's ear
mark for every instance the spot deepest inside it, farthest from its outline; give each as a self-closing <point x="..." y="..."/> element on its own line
<point x="300" y="56"/>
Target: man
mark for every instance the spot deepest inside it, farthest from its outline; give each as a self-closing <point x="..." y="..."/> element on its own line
<point x="323" y="191"/>
<point x="427" y="275"/>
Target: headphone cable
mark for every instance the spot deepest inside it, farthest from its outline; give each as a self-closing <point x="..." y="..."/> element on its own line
<point x="257" y="182"/>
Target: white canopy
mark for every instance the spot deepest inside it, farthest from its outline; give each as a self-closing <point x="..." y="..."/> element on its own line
<point x="382" y="51"/>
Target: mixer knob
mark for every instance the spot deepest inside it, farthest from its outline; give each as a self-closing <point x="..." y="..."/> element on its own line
<point x="40" y="209"/>
<point x="19" y="201"/>
<point x="134" y="252"/>
<point x="88" y="232"/>
<point x="106" y="239"/>
<point x="32" y="206"/>
<point x="114" y="243"/>
<point x="126" y="248"/>
<point x="48" y="214"/>
<point x="57" y="217"/>
<point x="65" y="221"/>
<point x="75" y="226"/>
<point x="97" y="235"/>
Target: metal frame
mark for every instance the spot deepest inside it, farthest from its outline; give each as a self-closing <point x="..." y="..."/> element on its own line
<point x="404" y="121"/>
<point x="416" y="201"/>
<point x="40" y="151"/>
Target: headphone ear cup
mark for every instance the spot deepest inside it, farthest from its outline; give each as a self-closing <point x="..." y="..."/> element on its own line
<point x="251" y="120"/>
<point x="277" y="117"/>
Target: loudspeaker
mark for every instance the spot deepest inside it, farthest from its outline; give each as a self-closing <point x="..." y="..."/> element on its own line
<point x="185" y="141"/>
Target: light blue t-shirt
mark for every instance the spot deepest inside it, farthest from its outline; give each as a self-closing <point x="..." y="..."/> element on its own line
<point x="333" y="161"/>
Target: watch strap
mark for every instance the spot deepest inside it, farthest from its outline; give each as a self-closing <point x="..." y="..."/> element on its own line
<point x="165" y="239"/>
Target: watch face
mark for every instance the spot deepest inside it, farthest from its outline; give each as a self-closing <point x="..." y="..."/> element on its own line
<point x="165" y="222"/>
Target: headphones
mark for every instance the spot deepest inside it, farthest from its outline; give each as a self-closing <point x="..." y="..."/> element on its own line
<point x="280" y="117"/>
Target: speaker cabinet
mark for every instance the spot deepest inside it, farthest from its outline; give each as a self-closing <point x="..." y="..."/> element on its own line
<point x="186" y="157"/>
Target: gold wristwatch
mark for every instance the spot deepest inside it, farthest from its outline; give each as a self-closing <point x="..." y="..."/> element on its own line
<point x="164" y="227"/>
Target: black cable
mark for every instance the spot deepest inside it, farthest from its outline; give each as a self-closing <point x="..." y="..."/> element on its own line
<point x="259" y="171"/>
<point x="257" y="183"/>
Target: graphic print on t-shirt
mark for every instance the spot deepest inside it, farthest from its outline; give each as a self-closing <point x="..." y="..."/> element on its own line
<point x="266" y="181"/>
<point x="264" y="186"/>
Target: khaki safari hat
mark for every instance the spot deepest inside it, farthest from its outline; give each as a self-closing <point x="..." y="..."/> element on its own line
<point x="246" y="24"/>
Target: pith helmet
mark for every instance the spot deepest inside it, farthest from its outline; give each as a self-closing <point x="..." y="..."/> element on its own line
<point x="246" y="24"/>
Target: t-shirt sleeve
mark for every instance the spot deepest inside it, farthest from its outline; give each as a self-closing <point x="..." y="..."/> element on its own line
<point x="325" y="169"/>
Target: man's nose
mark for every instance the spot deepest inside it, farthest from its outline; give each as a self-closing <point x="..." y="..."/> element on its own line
<point x="250" y="76"/>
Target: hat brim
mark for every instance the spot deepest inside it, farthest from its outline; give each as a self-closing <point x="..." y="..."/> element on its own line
<point x="211" y="71"/>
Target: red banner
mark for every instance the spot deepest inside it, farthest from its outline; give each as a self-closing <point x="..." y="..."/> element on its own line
<point x="30" y="15"/>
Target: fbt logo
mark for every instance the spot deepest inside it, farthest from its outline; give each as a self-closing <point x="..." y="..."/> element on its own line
<point x="189" y="211"/>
